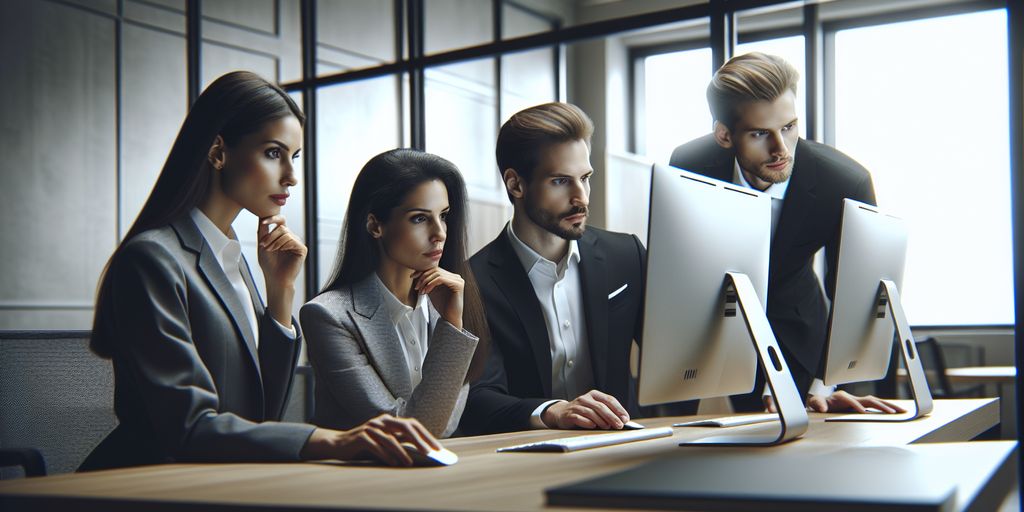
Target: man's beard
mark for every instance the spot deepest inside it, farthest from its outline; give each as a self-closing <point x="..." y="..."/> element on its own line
<point x="550" y="222"/>
<point x="774" y="176"/>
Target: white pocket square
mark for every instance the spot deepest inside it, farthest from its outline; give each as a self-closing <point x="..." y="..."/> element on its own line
<point x="616" y="292"/>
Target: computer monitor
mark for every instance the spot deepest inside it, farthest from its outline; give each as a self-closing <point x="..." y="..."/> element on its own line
<point x="704" y="325"/>
<point x="866" y="308"/>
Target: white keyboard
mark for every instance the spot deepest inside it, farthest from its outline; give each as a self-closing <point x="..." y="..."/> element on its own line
<point x="730" y="421"/>
<point x="571" y="444"/>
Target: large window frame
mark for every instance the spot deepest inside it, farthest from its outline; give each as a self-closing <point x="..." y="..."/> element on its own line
<point x="412" y="61"/>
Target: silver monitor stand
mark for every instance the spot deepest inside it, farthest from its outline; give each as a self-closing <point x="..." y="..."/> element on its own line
<point x="792" y="413"/>
<point x="889" y="300"/>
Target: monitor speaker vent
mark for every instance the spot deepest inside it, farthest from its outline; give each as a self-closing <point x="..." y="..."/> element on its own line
<point x="852" y="365"/>
<point x="690" y="374"/>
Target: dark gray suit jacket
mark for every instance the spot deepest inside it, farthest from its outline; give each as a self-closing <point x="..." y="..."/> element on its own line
<point x="822" y="178"/>
<point x="361" y="370"/>
<point x="189" y="383"/>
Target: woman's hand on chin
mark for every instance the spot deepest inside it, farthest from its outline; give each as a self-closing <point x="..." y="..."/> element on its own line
<point x="446" y="291"/>
<point x="281" y="252"/>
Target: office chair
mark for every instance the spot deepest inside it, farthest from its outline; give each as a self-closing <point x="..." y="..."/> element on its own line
<point x="56" y="399"/>
<point x="29" y="459"/>
<point x="934" y="358"/>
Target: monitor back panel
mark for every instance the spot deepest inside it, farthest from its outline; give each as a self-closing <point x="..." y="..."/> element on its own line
<point x="872" y="247"/>
<point x="699" y="229"/>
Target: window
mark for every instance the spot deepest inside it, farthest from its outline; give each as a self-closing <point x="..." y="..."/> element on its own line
<point x="923" y="105"/>
<point x="676" y="108"/>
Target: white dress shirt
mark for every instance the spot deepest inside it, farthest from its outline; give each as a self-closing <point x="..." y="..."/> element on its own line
<point x="560" y="294"/>
<point x="228" y="253"/>
<point x="777" y="191"/>
<point x="412" y="326"/>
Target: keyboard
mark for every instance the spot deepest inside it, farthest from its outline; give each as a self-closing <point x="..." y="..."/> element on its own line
<point x="730" y="421"/>
<point x="572" y="444"/>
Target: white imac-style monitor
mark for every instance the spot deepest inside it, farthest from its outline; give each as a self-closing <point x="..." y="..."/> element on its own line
<point x="866" y="308"/>
<point x="705" y="328"/>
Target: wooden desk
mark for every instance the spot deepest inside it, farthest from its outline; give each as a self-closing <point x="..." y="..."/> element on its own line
<point x="974" y="374"/>
<point x="1002" y="377"/>
<point x="982" y="374"/>
<point x="482" y="480"/>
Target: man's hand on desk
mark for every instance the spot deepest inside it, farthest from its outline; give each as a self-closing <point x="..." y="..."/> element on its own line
<point x="380" y="438"/>
<point x="841" y="401"/>
<point x="593" y="409"/>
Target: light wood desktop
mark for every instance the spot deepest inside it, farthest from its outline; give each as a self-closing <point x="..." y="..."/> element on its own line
<point x="983" y="374"/>
<point x="482" y="480"/>
<point x="975" y="374"/>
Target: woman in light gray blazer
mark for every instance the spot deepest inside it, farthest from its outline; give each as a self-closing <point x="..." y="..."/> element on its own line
<point x="396" y="328"/>
<point x="202" y="367"/>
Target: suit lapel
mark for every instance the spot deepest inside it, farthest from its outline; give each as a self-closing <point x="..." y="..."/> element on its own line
<point x="380" y="337"/>
<point x="210" y="268"/>
<point x="510" y="277"/>
<point x="593" y="274"/>
<point x="800" y="195"/>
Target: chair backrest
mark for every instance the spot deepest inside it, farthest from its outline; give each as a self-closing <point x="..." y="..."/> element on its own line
<point x="300" y="401"/>
<point x="55" y="396"/>
<point x="934" y="362"/>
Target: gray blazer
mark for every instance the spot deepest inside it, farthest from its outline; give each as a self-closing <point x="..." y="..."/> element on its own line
<point x="360" y="367"/>
<point x="189" y="383"/>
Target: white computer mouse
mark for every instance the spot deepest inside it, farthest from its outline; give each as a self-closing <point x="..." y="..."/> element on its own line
<point x="442" y="457"/>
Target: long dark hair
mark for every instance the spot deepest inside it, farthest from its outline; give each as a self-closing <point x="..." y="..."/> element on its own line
<point x="233" y="106"/>
<point x="381" y="186"/>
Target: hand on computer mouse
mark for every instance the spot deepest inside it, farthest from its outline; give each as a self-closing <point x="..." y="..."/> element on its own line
<point x="591" y="410"/>
<point x="380" y="438"/>
<point x="439" y="457"/>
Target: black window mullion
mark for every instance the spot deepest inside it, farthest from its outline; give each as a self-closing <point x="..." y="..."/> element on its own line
<point x="193" y="44"/>
<point x="400" y="15"/>
<point x="498" y="20"/>
<point x="723" y="34"/>
<point x="814" y="46"/>
<point x="309" y="167"/>
<point x="1015" y="27"/>
<point x="417" y="78"/>
<point x="828" y="89"/>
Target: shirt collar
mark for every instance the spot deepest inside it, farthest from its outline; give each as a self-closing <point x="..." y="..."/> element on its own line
<point x="529" y="258"/>
<point x="775" y="190"/>
<point x="397" y="309"/>
<point x="225" y="249"/>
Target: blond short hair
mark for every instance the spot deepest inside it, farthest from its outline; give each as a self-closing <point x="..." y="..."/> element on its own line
<point x="745" y="78"/>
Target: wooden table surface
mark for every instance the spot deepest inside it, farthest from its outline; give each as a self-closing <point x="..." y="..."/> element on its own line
<point x="482" y="480"/>
<point x="983" y="374"/>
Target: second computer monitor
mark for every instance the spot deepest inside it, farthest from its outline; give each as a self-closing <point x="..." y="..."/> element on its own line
<point x="873" y="247"/>
<point x="700" y="229"/>
<point x="867" y="310"/>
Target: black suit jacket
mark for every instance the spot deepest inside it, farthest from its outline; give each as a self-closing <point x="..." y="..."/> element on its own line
<point x="810" y="218"/>
<point x="189" y="382"/>
<point x="517" y="378"/>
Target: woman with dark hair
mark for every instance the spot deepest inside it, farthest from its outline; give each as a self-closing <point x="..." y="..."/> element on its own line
<point x="201" y="366"/>
<point x="393" y="330"/>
